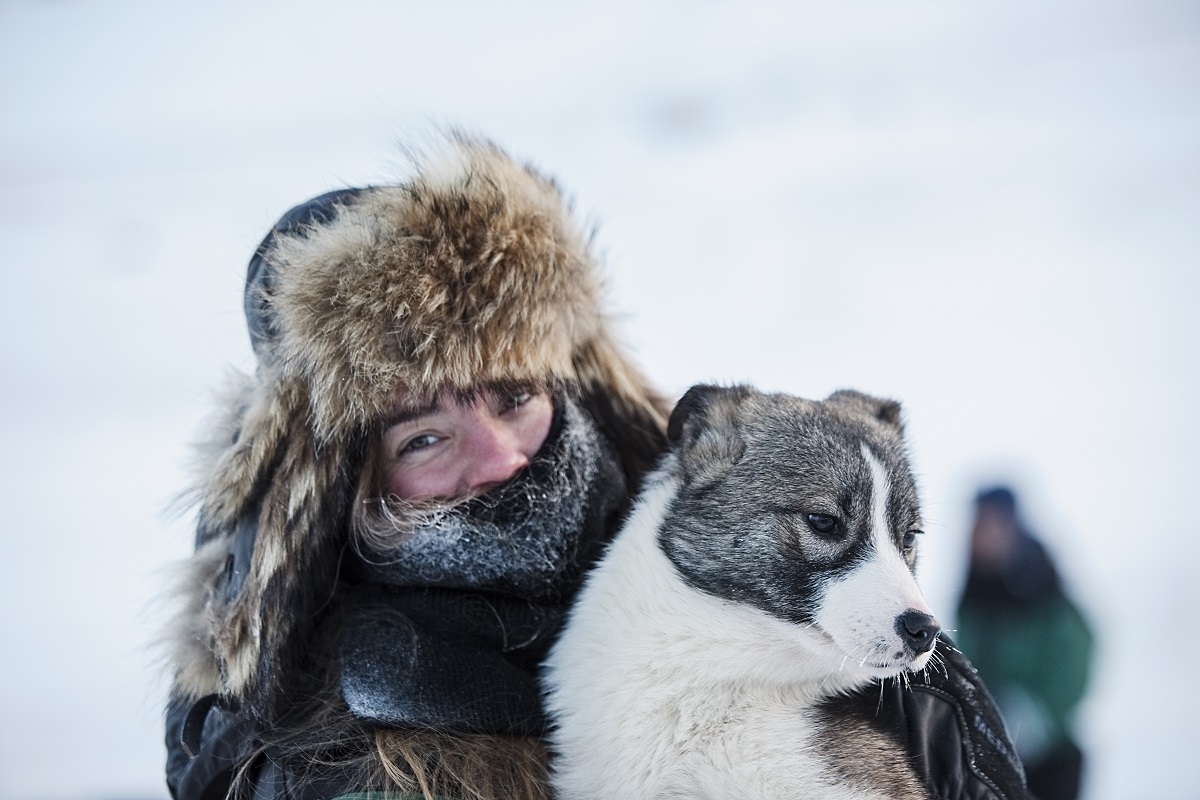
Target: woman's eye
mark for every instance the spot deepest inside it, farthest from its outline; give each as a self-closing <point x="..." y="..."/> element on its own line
<point x="417" y="443"/>
<point x="515" y="400"/>
<point x="823" y="524"/>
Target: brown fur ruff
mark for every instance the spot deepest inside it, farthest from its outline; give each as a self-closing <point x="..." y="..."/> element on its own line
<point x="472" y="272"/>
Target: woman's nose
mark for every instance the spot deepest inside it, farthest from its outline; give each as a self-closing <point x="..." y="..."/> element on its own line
<point x="495" y="456"/>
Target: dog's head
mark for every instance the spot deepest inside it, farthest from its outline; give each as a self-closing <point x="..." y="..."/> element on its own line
<point x="807" y="511"/>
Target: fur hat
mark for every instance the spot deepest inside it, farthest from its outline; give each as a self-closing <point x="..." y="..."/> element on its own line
<point x="473" y="272"/>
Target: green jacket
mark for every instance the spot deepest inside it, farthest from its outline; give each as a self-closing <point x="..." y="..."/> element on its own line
<point x="1032" y="647"/>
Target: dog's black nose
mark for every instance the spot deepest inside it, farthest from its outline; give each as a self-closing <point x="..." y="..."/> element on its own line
<point x="918" y="630"/>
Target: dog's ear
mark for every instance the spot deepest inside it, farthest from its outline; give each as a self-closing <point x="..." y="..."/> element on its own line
<point x="886" y="411"/>
<point x="703" y="429"/>
<point x="688" y="414"/>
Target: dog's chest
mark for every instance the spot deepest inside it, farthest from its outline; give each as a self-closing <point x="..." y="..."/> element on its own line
<point x="770" y="748"/>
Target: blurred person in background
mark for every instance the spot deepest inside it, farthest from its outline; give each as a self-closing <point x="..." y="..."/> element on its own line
<point x="1030" y="642"/>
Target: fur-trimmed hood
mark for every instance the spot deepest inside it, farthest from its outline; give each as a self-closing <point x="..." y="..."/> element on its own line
<point x="472" y="272"/>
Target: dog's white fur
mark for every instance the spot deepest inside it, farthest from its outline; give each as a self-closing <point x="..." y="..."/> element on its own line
<point x="660" y="690"/>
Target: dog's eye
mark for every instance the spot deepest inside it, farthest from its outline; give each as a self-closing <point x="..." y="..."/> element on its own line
<point x="823" y="524"/>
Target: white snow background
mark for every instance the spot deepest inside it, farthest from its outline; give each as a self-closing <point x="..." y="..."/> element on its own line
<point x="989" y="210"/>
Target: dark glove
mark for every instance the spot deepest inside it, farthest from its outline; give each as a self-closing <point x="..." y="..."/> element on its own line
<point x="948" y="724"/>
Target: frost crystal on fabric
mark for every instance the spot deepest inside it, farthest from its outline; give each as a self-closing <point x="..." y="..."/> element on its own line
<point x="525" y="538"/>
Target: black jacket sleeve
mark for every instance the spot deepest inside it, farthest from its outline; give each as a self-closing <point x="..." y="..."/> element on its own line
<point x="212" y="748"/>
<point x="220" y="741"/>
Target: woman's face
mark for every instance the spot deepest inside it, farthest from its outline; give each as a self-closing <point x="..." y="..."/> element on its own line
<point x="451" y="450"/>
<point x="993" y="539"/>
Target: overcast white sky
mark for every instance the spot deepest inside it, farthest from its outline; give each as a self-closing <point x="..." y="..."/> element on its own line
<point x="988" y="211"/>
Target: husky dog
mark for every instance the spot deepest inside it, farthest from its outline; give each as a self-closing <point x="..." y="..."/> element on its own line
<point x="766" y="569"/>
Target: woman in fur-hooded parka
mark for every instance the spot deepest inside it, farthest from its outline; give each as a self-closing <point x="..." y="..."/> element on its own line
<point x="306" y="667"/>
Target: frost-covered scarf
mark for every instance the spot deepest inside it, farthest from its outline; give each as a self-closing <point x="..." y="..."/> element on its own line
<point x="446" y="629"/>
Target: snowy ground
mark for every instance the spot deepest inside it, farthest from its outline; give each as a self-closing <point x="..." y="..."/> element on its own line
<point x="986" y="210"/>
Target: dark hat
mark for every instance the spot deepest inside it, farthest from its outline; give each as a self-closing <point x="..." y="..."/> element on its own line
<point x="1000" y="498"/>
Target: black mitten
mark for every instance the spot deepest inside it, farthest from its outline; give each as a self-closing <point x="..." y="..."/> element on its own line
<point x="947" y="722"/>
